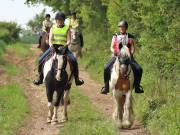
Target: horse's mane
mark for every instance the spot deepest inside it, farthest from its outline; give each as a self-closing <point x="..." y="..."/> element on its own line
<point x="124" y="51"/>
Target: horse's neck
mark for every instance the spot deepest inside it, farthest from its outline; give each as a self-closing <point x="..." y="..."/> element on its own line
<point x="115" y="69"/>
<point x="47" y="66"/>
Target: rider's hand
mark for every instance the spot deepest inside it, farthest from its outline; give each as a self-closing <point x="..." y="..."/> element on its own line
<point x="50" y="45"/>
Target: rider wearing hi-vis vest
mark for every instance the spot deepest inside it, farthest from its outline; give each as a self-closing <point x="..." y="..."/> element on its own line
<point x="122" y="38"/>
<point x="60" y="36"/>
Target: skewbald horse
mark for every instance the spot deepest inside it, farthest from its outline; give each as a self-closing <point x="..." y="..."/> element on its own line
<point x="121" y="83"/>
<point x="58" y="78"/>
<point x="75" y="47"/>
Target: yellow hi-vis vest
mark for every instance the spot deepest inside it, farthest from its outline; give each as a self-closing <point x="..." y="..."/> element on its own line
<point x="60" y="35"/>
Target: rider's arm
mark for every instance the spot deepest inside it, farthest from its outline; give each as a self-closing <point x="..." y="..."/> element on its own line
<point x="50" y="38"/>
<point x="112" y="45"/>
<point x="68" y="37"/>
<point x="132" y="49"/>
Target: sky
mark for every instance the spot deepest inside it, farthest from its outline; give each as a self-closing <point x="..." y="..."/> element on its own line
<point x="16" y="10"/>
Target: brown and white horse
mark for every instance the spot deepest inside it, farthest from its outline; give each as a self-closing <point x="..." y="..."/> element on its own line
<point x="58" y="78"/>
<point x="75" y="47"/>
<point x="121" y="83"/>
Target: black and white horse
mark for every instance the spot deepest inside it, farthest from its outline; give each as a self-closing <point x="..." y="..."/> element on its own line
<point x="121" y="83"/>
<point x="58" y="78"/>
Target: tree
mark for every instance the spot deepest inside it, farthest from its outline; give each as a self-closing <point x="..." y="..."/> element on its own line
<point x="36" y="23"/>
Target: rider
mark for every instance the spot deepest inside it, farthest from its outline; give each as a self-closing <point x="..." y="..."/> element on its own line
<point x="60" y="36"/>
<point x="46" y="24"/>
<point x="74" y="23"/>
<point x="123" y="26"/>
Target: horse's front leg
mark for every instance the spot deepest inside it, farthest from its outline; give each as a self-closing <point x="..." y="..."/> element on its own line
<point x="66" y="100"/>
<point x="54" y="117"/>
<point x="50" y="112"/>
<point x="126" y="115"/>
<point x="117" y="115"/>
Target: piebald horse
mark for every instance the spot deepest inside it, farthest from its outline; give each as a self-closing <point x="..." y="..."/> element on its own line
<point x="121" y="83"/>
<point x="58" y="78"/>
<point x="75" y="47"/>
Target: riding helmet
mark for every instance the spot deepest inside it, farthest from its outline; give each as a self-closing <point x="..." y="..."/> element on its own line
<point x="60" y="15"/>
<point x="47" y="15"/>
<point x="123" y="24"/>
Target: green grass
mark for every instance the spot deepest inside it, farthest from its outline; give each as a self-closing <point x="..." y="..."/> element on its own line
<point x="13" y="108"/>
<point x="2" y="50"/>
<point x="21" y="49"/>
<point x="84" y="119"/>
<point x="96" y="54"/>
<point x="12" y="69"/>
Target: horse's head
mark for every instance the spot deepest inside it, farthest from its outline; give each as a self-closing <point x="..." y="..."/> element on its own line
<point x="74" y="33"/>
<point x="59" y="58"/>
<point x="124" y="58"/>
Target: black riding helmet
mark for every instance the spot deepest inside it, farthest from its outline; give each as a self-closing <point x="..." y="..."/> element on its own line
<point x="47" y="15"/>
<point x="123" y="24"/>
<point x="60" y="16"/>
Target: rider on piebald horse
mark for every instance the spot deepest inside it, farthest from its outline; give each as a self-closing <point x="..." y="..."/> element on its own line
<point x="46" y="25"/>
<point x="123" y="26"/>
<point x="60" y="36"/>
<point x="74" y="23"/>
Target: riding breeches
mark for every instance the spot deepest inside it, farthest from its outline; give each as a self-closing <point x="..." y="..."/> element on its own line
<point x="137" y="69"/>
<point x="107" y="70"/>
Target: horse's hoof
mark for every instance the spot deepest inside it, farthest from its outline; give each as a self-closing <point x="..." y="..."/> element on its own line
<point x="126" y="125"/>
<point x="54" y="123"/>
<point x="64" y="120"/>
<point x="48" y="120"/>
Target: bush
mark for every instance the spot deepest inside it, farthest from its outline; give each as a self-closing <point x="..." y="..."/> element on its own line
<point x="9" y="32"/>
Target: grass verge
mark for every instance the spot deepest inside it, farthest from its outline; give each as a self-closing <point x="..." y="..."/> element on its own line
<point x="21" y="49"/>
<point x="84" y="119"/>
<point x="12" y="69"/>
<point x="13" y="108"/>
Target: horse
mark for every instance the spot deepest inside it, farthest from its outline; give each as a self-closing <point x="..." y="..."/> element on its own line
<point x="75" y="47"/>
<point x="58" y="78"/>
<point x="122" y="84"/>
<point x="44" y="40"/>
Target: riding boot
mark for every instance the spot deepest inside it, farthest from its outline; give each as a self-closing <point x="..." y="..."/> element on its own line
<point x="40" y="78"/>
<point x="105" y="89"/>
<point x="139" y="89"/>
<point x="76" y="74"/>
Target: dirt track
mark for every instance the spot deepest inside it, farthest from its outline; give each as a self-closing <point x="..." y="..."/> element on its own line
<point x="35" y="124"/>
